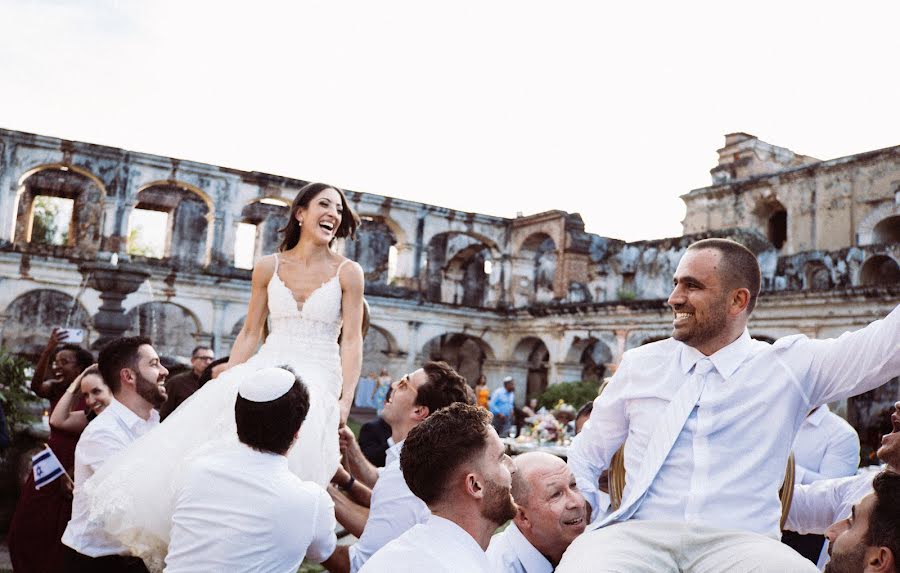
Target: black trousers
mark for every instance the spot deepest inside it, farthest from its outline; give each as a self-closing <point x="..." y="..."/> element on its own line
<point x="77" y="563"/>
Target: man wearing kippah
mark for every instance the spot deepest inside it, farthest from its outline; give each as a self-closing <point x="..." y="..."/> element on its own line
<point x="239" y="507"/>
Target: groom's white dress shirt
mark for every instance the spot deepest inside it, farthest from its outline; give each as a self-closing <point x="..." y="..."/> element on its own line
<point x="728" y="461"/>
<point x="436" y="546"/>
<point x="510" y="552"/>
<point x="111" y="432"/>
<point x="393" y="510"/>
<point x="240" y="509"/>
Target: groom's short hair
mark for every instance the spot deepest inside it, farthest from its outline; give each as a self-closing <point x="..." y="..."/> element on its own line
<point x="272" y="426"/>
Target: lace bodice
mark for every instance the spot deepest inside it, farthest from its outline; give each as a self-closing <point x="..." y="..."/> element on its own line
<point x="319" y="319"/>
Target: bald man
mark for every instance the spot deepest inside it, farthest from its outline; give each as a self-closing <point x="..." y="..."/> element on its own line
<point x="550" y="513"/>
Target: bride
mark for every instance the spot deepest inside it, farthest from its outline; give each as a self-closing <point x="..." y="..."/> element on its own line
<point x="308" y="293"/>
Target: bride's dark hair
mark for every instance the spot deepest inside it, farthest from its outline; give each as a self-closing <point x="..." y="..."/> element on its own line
<point x="349" y="218"/>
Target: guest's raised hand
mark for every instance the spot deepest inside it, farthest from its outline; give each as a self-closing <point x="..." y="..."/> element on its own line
<point x="57" y="335"/>
<point x="346" y="439"/>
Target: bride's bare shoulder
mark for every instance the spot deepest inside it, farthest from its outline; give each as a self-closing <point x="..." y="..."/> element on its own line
<point x="350" y="272"/>
<point x="264" y="269"/>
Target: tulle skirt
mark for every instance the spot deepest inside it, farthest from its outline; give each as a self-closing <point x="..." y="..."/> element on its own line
<point x="133" y="495"/>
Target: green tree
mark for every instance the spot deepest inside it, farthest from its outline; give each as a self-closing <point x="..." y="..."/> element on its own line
<point x="15" y="394"/>
<point x="575" y="393"/>
<point x="45" y="222"/>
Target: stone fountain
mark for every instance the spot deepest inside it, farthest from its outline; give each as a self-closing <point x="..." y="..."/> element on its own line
<point x="115" y="282"/>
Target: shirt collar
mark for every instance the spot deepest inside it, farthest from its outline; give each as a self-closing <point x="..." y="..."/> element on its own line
<point x="532" y="560"/>
<point x="125" y="414"/>
<point x="726" y="360"/>
<point x="393" y="453"/>
<point x="450" y="529"/>
<point x="816" y="417"/>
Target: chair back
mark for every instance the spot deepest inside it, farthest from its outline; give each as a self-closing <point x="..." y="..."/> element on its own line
<point x="617" y="483"/>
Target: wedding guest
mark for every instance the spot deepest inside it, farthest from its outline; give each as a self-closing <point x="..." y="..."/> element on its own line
<point x="212" y="371"/>
<point x="454" y="461"/>
<point x="550" y="513"/>
<point x="41" y="514"/>
<point x="502" y="405"/>
<point x="825" y="447"/>
<point x="181" y="386"/>
<point x="816" y="506"/>
<point x="393" y="507"/>
<point x="374" y="440"/>
<point x="96" y="395"/>
<point x="482" y="393"/>
<point x="133" y="371"/>
<point x="869" y="540"/>
<point x="691" y="403"/>
<point x="240" y="508"/>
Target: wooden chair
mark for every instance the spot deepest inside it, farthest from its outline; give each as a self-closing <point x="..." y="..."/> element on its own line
<point x="617" y="483"/>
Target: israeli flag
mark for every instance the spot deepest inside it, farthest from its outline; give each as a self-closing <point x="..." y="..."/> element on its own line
<point x="46" y="468"/>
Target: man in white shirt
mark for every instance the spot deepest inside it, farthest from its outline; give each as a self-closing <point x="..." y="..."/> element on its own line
<point x="816" y="506"/>
<point x="710" y="416"/>
<point x="869" y="540"/>
<point x="456" y="463"/>
<point x="132" y="370"/>
<point x="825" y="447"/>
<point x="550" y="514"/>
<point x="393" y="507"/>
<point x="240" y="508"/>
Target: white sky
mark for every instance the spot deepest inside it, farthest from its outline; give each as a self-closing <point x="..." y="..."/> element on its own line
<point x="612" y="111"/>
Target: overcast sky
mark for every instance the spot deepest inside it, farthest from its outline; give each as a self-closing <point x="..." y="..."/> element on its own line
<point x="612" y="111"/>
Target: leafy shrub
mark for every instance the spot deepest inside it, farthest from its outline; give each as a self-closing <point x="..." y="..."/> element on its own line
<point x="14" y="391"/>
<point x="575" y="393"/>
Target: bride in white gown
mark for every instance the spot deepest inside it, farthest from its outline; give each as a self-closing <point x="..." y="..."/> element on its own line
<point x="308" y="293"/>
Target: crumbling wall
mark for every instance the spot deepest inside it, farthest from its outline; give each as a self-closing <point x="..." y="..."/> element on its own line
<point x="372" y="248"/>
<point x="172" y="328"/>
<point x="28" y="319"/>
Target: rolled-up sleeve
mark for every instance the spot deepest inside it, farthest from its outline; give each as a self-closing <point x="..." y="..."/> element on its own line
<point x="324" y="540"/>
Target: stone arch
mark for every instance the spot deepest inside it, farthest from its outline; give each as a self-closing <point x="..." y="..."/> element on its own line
<point x="532" y="353"/>
<point x="879" y="270"/>
<point x="456" y="269"/>
<point x="538" y="259"/>
<point x="773" y="219"/>
<point x="29" y="318"/>
<point x="866" y="233"/>
<point x="268" y="215"/>
<point x="83" y="226"/>
<point x="174" y="329"/>
<point x="379" y="347"/>
<point x="816" y="276"/>
<point x="464" y="352"/>
<point x="887" y="230"/>
<point x="375" y="239"/>
<point x="190" y="214"/>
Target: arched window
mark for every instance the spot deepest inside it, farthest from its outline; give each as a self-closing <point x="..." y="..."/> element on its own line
<point x="169" y="221"/>
<point x="776" y="229"/>
<point x="879" y="270"/>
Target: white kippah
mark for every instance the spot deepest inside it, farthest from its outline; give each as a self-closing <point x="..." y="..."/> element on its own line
<point x="266" y="385"/>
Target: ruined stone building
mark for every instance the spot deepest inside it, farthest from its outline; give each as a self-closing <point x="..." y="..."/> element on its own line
<point x="535" y="297"/>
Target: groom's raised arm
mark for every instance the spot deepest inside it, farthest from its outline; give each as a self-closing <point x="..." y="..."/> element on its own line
<point x="848" y="365"/>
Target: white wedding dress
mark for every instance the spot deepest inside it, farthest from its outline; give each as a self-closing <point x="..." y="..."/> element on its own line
<point x="133" y="495"/>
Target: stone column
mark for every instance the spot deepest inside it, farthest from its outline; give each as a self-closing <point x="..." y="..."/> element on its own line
<point x="8" y="190"/>
<point x="413" y="344"/>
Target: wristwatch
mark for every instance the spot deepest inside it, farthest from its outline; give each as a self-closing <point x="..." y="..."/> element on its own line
<point x="347" y="486"/>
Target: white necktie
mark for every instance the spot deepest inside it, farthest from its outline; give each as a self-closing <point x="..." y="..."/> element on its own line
<point x="662" y="440"/>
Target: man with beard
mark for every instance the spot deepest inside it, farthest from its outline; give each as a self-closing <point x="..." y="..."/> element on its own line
<point x="550" y="515"/>
<point x="816" y="506"/>
<point x="710" y="415"/>
<point x="455" y="462"/>
<point x="132" y="370"/>
<point x="393" y="507"/>
<point x="868" y="541"/>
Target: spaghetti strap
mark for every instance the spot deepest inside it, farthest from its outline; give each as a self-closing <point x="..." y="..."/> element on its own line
<point x="340" y="266"/>
<point x="276" y="261"/>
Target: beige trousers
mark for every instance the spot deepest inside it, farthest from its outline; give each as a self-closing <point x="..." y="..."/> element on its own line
<point x="661" y="546"/>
